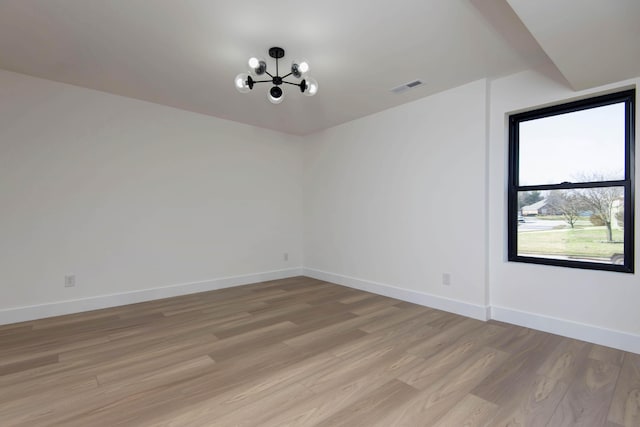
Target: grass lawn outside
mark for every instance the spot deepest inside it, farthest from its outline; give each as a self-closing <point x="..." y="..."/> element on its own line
<point x="581" y="222"/>
<point x="580" y="242"/>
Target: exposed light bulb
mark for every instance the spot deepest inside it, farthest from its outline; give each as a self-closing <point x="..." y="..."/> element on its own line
<point x="257" y="66"/>
<point x="299" y="67"/>
<point x="254" y="62"/>
<point x="275" y="95"/>
<point x="275" y="100"/>
<point x="242" y="83"/>
<point x="311" y="86"/>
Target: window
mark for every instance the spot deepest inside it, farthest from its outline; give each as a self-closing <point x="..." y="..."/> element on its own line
<point x="571" y="184"/>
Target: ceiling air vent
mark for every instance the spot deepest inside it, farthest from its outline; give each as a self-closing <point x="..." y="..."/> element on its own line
<point x="405" y="87"/>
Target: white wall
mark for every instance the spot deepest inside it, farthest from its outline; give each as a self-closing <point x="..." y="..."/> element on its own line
<point x="588" y="304"/>
<point x="130" y="195"/>
<point x="396" y="199"/>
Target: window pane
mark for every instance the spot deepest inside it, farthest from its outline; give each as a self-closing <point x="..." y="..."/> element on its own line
<point x="581" y="146"/>
<point x="580" y="224"/>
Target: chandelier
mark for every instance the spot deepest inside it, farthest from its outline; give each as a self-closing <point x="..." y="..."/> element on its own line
<point x="258" y="68"/>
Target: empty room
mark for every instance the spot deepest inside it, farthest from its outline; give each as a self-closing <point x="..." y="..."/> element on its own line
<point x="338" y="213"/>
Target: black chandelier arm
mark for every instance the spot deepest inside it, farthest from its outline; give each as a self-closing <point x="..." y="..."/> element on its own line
<point x="269" y="74"/>
<point x="292" y="84"/>
<point x="286" y="75"/>
<point x="262" y="81"/>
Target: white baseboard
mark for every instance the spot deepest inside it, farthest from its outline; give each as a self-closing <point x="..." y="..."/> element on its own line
<point x="581" y="331"/>
<point x="594" y="334"/>
<point x="21" y="314"/>
<point x="429" y="300"/>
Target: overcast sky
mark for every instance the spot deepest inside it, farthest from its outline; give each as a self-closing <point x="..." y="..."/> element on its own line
<point x="564" y="147"/>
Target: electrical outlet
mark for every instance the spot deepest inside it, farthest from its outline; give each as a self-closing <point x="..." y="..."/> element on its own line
<point x="285" y="256"/>
<point x="70" y="281"/>
<point x="446" y="279"/>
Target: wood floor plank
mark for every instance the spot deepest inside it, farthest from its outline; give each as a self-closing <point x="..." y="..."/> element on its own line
<point x="253" y="413"/>
<point x="355" y="297"/>
<point x="443" y="392"/>
<point x="625" y="407"/>
<point x="383" y="364"/>
<point x="229" y="347"/>
<point x="368" y="410"/>
<point x="371" y="305"/>
<point x="129" y="346"/>
<point x="339" y="388"/>
<point x="191" y="325"/>
<point x="51" y="346"/>
<point x="257" y="319"/>
<point x="565" y="360"/>
<point x="12" y="328"/>
<point x="329" y="331"/>
<point x="128" y="367"/>
<point x="116" y="405"/>
<point x="471" y="411"/>
<point x="449" y="357"/>
<point x="395" y="318"/>
<point x="532" y="403"/>
<point x="519" y="368"/>
<point x="444" y="338"/>
<point x="37" y="407"/>
<point x="11" y="333"/>
<point x="258" y="399"/>
<point x="23" y="365"/>
<point x="398" y="338"/>
<point x="606" y="354"/>
<point x="519" y="339"/>
<point x="588" y="398"/>
<point x="304" y="352"/>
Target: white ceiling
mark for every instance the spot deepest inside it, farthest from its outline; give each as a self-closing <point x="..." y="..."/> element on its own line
<point x="592" y="42"/>
<point x="186" y="53"/>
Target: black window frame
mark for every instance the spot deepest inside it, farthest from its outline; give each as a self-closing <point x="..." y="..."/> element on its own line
<point x="628" y="183"/>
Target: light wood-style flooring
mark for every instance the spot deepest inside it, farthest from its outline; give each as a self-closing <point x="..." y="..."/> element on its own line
<point x="302" y="352"/>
